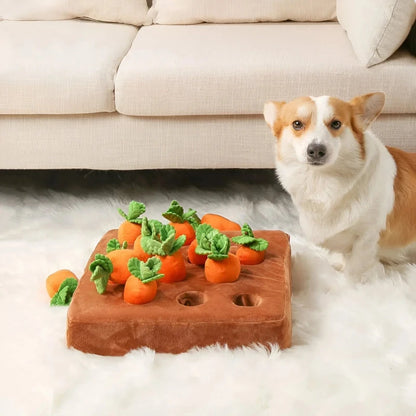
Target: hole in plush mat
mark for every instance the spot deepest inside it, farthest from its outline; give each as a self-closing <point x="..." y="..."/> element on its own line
<point x="247" y="299"/>
<point x="191" y="298"/>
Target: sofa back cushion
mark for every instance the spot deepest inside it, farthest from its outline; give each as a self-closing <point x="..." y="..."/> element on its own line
<point x="240" y="11"/>
<point x="132" y="12"/>
<point x="376" y="28"/>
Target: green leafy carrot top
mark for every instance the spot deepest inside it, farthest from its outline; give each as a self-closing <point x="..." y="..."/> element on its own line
<point x="247" y="239"/>
<point x="135" y="210"/>
<point x="101" y="269"/>
<point x="212" y="243"/>
<point x="114" y="244"/>
<point x="145" y="271"/>
<point x="64" y="295"/>
<point x="159" y="239"/>
<point x="176" y="213"/>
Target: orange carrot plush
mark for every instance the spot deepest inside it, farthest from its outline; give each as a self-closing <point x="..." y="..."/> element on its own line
<point x="54" y="280"/>
<point x="141" y="286"/>
<point x="221" y="266"/>
<point x="112" y="266"/>
<point x="220" y="223"/>
<point x="200" y="248"/>
<point x="184" y="223"/>
<point x="193" y="257"/>
<point x="130" y="229"/>
<point x="140" y="253"/>
<point x="252" y="250"/>
<point x="61" y="286"/>
<point x="159" y="240"/>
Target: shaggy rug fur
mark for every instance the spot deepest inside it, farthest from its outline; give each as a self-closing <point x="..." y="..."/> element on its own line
<point x="354" y="345"/>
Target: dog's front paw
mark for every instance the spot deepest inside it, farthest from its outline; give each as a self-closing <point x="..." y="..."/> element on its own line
<point x="337" y="261"/>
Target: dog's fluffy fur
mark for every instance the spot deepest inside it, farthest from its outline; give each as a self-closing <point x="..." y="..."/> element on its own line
<point x="353" y="195"/>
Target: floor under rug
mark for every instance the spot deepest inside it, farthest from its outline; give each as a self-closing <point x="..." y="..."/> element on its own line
<point x="354" y="345"/>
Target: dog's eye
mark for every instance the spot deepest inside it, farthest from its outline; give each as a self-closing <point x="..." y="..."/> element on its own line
<point x="297" y="125"/>
<point x="336" y="124"/>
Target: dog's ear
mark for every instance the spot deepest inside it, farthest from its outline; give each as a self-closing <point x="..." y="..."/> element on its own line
<point x="368" y="107"/>
<point x="271" y="112"/>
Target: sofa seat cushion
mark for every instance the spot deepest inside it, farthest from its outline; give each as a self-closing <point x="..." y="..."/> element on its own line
<point x="219" y="69"/>
<point x="60" y="67"/>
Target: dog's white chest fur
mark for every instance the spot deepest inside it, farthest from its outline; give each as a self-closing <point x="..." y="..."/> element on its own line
<point x="338" y="204"/>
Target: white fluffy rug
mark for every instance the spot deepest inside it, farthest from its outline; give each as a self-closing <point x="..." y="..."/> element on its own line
<point x="354" y="346"/>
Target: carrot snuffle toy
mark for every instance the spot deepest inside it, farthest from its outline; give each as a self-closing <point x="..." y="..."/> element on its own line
<point x="160" y="241"/>
<point x="130" y="229"/>
<point x="252" y="250"/>
<point x="221" y="266"/>
<point x="183" y="222"/>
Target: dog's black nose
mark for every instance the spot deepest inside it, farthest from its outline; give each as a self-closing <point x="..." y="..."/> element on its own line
<point x="316" y="152"/>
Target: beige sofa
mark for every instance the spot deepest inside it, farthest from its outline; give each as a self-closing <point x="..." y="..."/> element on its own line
<point x="79" y="90"/>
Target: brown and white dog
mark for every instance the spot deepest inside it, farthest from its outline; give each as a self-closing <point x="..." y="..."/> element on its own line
<point x="353" y="194"/>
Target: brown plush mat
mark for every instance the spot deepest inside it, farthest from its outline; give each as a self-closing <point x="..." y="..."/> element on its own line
<point x="193" y="313"/>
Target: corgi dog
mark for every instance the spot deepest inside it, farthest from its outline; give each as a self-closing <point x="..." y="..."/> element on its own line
<point x="353" y="195"/>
